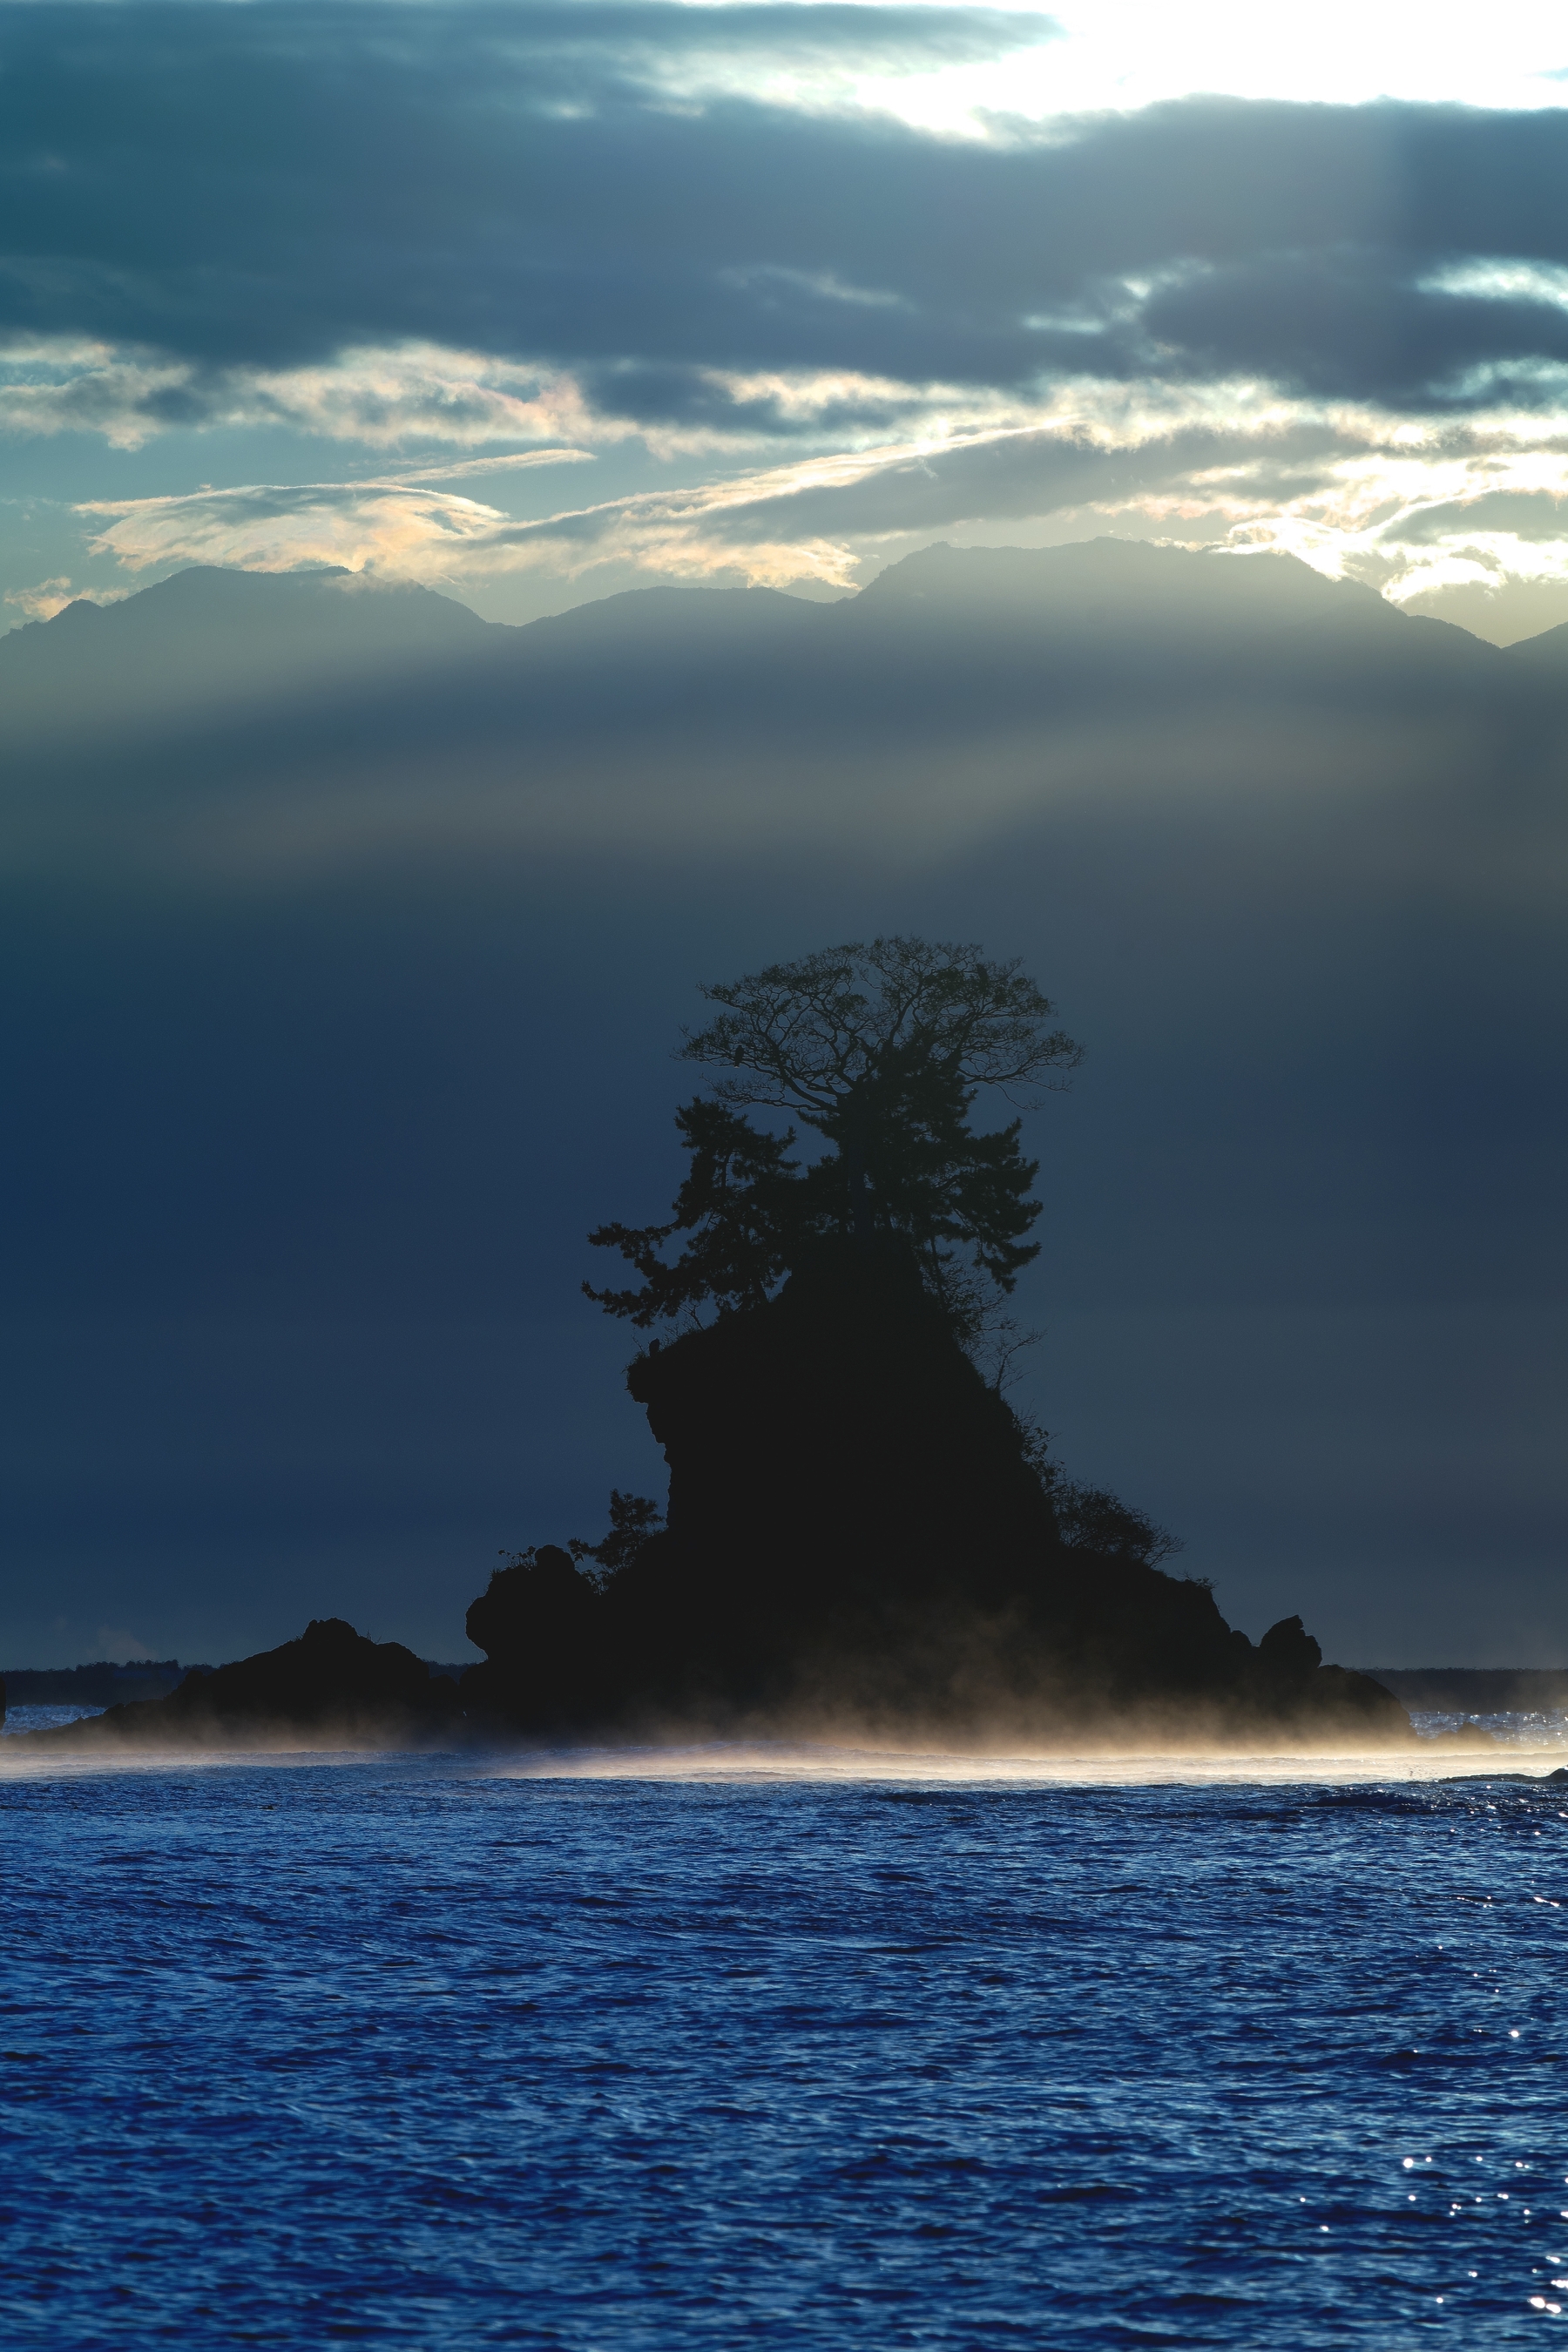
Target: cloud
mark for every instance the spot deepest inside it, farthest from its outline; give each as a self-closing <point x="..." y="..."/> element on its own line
<point x="506" y="229"/>
<point x="279" y="528"/>
<point x="229" y="201"/>
<point x="1407" y="511"/>
<point x="378" y="398"/>
<point x="392" y="524"/>
<point x="1354" y="325"/>
<point x="1520" y="514"/>
<point x="519" y="461"/>
<point x="43" y="600"/>
<point x="59" y="386"/>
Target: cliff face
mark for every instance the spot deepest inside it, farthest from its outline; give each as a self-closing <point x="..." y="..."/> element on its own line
<point x="833" y="1457"/>
<point x="854" y="1530"/>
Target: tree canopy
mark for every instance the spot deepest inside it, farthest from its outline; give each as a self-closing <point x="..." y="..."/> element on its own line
<point x="808" y="1037"/>
<point x="881" y="1050"/>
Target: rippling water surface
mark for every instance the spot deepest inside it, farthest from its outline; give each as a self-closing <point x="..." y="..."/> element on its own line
<point x="810" y="2052"/>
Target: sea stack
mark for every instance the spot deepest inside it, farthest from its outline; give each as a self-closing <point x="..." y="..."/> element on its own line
<point x="855" y="1534"/>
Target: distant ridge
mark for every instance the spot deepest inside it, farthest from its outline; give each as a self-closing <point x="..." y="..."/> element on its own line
<point x="1104" y="575"/>
<point x="1476" y="1690"/>
<point x="102" y="1684"/>
<point x="209" y="600"/>
<point x="210" y="635"/>
<point x="334" y="614"/>
<point x="335" y="711"/>
<point x="1547" y="651"/>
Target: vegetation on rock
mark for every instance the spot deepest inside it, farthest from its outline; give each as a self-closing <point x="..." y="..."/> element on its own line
<point x="882" y="1051"/>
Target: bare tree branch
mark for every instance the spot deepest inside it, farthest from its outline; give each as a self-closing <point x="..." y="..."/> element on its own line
<point x="804" y="1036"/>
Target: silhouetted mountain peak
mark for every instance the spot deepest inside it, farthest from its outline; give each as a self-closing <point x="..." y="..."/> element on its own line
<point x="70" y="617"/>
<point x="1133" y="581"/>
<point x="205" y="594"/>
<point x="206" y="634"/>
<point x="647" y="628"/>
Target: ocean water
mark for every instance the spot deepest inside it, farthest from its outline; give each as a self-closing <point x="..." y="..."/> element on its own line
<point x="804" y="2048"/>
<point x="19" y="1719"/>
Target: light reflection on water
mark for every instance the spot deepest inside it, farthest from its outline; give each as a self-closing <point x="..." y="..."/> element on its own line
<point x="1544" y="1728"/>
<point x="44" y="1718"/>
<point x="791" y="2046"/>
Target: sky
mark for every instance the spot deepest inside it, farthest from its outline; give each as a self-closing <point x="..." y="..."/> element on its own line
<point x="544" y="300"/>
<point x="331" y="1025"/>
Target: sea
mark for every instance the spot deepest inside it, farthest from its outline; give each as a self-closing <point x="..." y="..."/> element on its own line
<point x="798" y="2046"/>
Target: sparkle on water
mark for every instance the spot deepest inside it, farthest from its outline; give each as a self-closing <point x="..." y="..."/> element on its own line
<point x="788" y="2044"/>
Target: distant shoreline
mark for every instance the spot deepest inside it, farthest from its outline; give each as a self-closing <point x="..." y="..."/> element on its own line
<point x="1476" y="1690"/>
<point x="105" y="1683"/>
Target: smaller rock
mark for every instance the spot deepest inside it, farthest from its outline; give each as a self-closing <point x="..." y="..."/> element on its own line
<point x="1287" y="1652"/>
<point x="332" y="1681"/>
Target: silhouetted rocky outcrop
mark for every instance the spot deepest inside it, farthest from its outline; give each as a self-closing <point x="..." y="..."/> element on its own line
<point x="855" y="1531"/>
<point x="855" y="1538"/>
<point x="542" y="1627"/>
<point x="331" y="1682"/>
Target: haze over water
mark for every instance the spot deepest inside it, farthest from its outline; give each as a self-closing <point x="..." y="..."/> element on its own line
<point x="450" y="2053"/>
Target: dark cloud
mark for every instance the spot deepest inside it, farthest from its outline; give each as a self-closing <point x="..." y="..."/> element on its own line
<point x="643" y="34"/>
<point x="243" y="188"/>
<point x="1525" y="514"/>
<point x="1352" y="323"/>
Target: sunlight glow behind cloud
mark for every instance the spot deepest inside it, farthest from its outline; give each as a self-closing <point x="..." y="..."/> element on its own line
<point x="1126" y="54"/>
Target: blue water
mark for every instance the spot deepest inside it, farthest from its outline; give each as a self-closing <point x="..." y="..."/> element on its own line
<point x="395" y="2051"/>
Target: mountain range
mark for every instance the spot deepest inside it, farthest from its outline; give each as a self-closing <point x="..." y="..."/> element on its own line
<point x="960" y="688"/>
